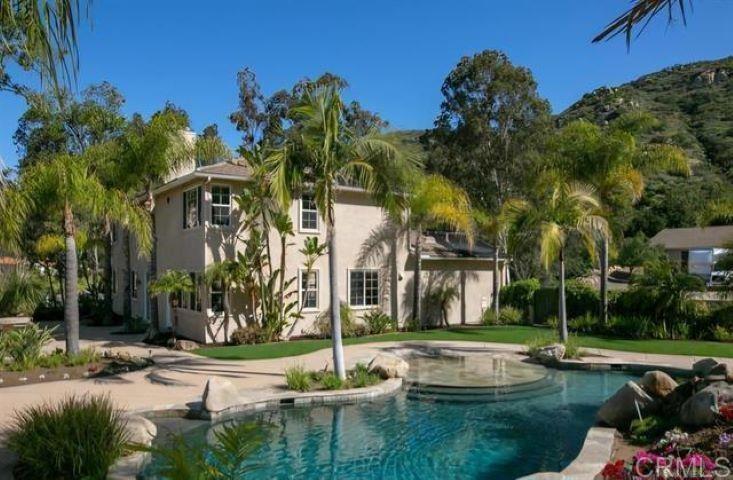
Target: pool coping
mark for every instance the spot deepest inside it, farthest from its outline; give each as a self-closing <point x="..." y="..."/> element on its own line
<point x="128" y="467"/>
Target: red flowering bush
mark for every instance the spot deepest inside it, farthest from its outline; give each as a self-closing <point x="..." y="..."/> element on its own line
<point x="615" y="471"/>
<point x="726" y="411"/>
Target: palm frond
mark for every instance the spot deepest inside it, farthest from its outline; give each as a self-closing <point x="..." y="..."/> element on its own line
<point x="641" y="13"/>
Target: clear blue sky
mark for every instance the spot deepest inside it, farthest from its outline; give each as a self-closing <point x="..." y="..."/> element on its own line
<point x="395" y="54"/>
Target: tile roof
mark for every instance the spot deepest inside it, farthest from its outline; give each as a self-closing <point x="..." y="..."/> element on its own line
<point x="235" y="168"/>
<point x="691" y="238"/>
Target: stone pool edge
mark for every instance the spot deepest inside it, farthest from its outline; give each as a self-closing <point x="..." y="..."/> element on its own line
<point x="128" y="468"/>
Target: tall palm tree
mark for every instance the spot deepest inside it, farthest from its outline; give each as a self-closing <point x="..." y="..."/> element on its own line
<point x="322" y="154"/>
<point x="172" y="283"/>
<point x="65" y="187"/>
<point x="559" y="210"/>
<point x="615" y="163"/>
<point x="434" y="200"/>
<point x="226" y="273"/>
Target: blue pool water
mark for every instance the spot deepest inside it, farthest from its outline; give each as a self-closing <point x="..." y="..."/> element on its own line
<point x="405" y="438"/>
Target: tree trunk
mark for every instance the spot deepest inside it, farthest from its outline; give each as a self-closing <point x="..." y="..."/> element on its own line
<point x="496" y="285"/>
<point x="338" y="349"/>
<point x="416" y="314"/>
<point x="153" y="270"/>
<point x="127" y="307"/>
<point x="50" y="284"/>
<point x="108" y="279"/>
<point x="562" y="313"/>
<point x="71" y="307"/>
<point x="603" y="313"/>
<point x="283" y="246"/>
<point x="226" y="314"/>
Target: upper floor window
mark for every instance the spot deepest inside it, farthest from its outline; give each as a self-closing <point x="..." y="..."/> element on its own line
<point x="363" y="288"/>
<point x="308" y="214"/>
<point x="221" y="205"/>
<point x="309" y="289"/>
<point x="216" y="300"/>
<point x="192" y="208"/>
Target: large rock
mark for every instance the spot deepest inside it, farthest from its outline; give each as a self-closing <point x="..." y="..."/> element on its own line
<point x="619" y="410"/>
<point x="702" y="368"/>
<point x="701" y="410"/>
<point x="140" y="430"/>
<point x="389" y="366"/>
<point x="657" y="383"/>
<point x="551" y="353"/>
<point x="720" y="372"/>
<point x="219" y="394"/>
<point x="185" y="345"/>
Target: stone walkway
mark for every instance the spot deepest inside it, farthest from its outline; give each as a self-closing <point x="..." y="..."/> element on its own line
<point x="178" y="378"/>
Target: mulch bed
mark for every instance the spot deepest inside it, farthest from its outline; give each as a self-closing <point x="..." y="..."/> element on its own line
<point x="104" y="368"/>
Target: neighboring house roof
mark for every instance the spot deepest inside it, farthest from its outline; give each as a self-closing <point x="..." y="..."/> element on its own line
<point x="692" y="238"/>
<point x="450" y="245"/>
<point x="234" y="168"/>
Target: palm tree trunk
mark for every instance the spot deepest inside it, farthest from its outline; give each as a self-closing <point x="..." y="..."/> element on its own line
<point x="338" y="349"/>
<point x="153" y="268"/>
<point x="108" y="279"/>
<point x="226" y="314"/>
<point x="283" y="246"/>
<point x="562" y="313"/>
<point x="417" y="274"/>
<point x="71" y="307"/>
<point x="496" y="286"/>
<point x="127" y="307"/>
<point x="603" y="314"/>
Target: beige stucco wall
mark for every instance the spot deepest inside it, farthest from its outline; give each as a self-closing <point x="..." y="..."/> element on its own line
<point x="364" y="240"/>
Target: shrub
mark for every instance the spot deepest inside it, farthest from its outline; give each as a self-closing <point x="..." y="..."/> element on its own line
<point x="322" y="325"/>
<point x="84" y="357"/>
<point x="331" y="381"/>
<point x="587" y="323"/>
<point x="360" y="377"/>
<point x="79" y="437"/>
<point x="553" y="322"/>
<point x="572" y="348"/>
<point x="378" y="322"/>
<point x="580" y="298"/>
<point x="634" y="326"/>
<point x="534" y="345"/>
<point x="648" y="429"/>
<point x="519" y="294"/>
<point x="722" y="334"/>
<point x="489" y="318"/>
<point x="298" y="378"/>
<point x="21" y="291"/>
<point x="24" y="345"/>
<point x="249" y="334"/>
<point x="510" y="316"/>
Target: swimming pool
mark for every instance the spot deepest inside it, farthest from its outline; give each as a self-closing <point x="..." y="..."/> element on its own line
<point x="406" y="437"/>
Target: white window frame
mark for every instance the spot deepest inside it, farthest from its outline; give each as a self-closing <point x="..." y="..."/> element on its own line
<point x="301" y="228"/>
<point x="197" y="190"/>
<point x="364" y="306"/>
<point x="301" y="291"/>
<point x="221" y="205"/>
<point x="213" y="291"/>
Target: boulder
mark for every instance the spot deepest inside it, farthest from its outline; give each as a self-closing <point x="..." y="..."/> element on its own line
<point x="185" y="345"/>
<point x="657" y="383"/>
<point x="140" y="430"/>
<point x="219" y="394"/>
<point x="721" y="372"/>
<point x="619" y="410"/>
<point x="389" y="366"/>
<point x="702" y="368"/>
<point x="551" y="353"/>
<point x="700" y="410"/>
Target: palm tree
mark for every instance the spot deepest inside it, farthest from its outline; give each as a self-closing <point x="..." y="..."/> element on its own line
<point x="434" y="201"/>
<point x="322" y="154"/>
<point x="641" y="12"/>
<point x="559" y="210"/>
<point x="172" y="283"/>
<point x="226" y="273"/>
<point x="65" y="187"/>
<point x="615" y="164"/>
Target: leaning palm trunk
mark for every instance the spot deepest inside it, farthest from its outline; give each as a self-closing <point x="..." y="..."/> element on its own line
<point x="604" y="280"/>
<point x="71" y="307"/>
<point x="338" y="349"/>
<point x="153" y="267"/>
<point x="496" y="285"/>
<point x="416" y="314"/>
<point x="561" y="309"/>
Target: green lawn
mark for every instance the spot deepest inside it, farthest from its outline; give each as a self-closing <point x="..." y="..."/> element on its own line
<point x="508" y="334"/>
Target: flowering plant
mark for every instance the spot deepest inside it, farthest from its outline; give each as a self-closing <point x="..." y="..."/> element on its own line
<point x="726" y="411"/>
<point x="615" y="471"/>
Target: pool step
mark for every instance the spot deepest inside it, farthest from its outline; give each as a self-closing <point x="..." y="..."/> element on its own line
<point x="440" y="393"/>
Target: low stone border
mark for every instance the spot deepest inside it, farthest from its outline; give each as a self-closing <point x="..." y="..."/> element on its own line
<point x="596" y="451"/>
<point x="127" y="468"/>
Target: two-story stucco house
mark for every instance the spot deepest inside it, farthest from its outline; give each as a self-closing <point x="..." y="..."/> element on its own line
<point x="197" y="221"/>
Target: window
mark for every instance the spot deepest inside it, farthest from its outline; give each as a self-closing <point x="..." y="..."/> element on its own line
<point x="309" y="289"/>
<point x="192" y="208"/>
<point x="113" y="233"/>
<point x="217" y="297"/>
<point x="114" y="281"/>
<point x="194" y="299"/>
<point x="134" y="281"/>
<point x="221" y="205"/>
<point x="308" y="214"/>
<point x="363" y="288"/>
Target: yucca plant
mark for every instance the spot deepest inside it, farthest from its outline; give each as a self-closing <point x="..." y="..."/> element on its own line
<point x="20" y="292"/>
<point x="23" y="346"/>
<point x="77" y="437"/>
